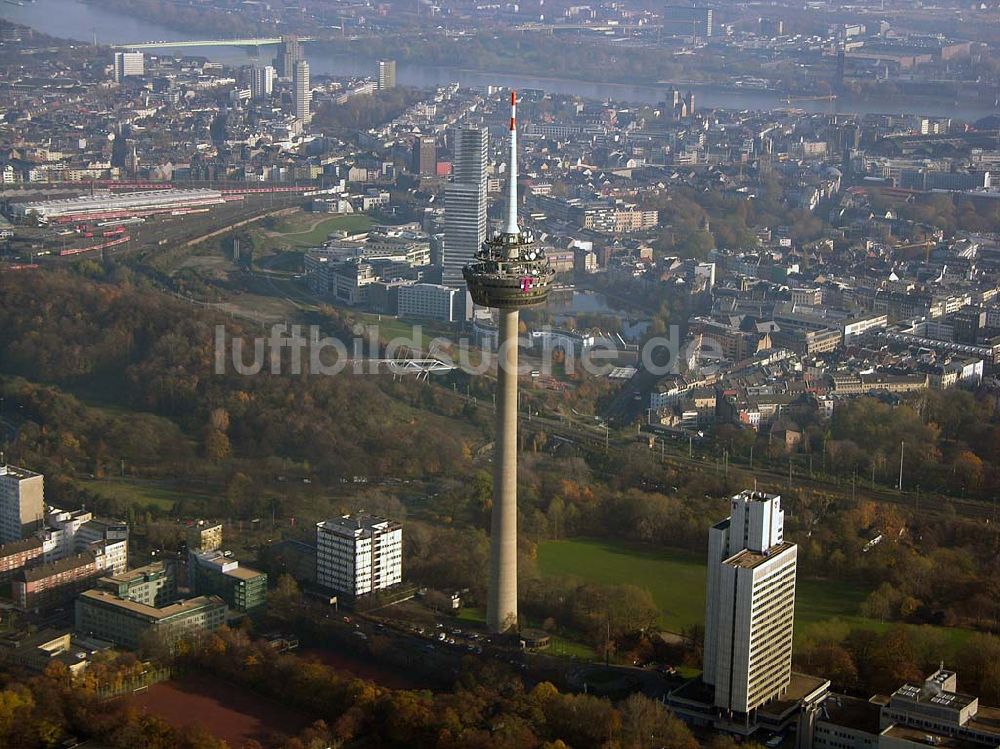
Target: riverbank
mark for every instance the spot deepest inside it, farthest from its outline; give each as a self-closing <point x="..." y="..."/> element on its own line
<point x="79" y="21"/>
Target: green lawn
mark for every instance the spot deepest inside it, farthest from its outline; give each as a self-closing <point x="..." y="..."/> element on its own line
<point x="676" y="580"/>
<point x="354" y="223"/>
<point x="140" y="493"/>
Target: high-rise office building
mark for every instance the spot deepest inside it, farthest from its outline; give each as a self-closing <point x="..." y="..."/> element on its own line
<point x="301" y="92"/>
<point x="261" y="81"/>
<point x="424" y="159"/>
<point x="465" y="203"/>
<point x="687" y="20"/>
<point x="386" y="74"/>
<point x="357" y="555"/>
<point x="750" y="604"/>
<point x="129" y="64"/>
<point x="289" y="53"/>
<point x="22" y="503"/>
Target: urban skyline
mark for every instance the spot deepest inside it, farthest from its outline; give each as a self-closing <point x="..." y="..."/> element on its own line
<point x="349" y="398"/>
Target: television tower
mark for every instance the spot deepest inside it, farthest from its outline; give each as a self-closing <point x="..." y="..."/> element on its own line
<point x="507" y="273"/>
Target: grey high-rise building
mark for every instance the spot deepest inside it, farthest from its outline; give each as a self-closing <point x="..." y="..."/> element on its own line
<point x="301" y="92"/>
<point x="289" y="53"/>
<point x="386" y="74"/>
<point x="22" y="502"/>
<point x="261" y="81"/>
<point x="750" y="604"/>
<point x="465" y="203"/>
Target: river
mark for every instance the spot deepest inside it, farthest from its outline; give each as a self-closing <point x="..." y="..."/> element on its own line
<point x="73" y="19"/>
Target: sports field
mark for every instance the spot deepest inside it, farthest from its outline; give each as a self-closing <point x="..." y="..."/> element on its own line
<point x="676" y="580"/>
<point x="231" y="713"/>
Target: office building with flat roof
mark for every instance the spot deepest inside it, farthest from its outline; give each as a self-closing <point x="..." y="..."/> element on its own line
<point x="750" y="604"/>
<point x="428" y="301"/>
<point x="915" y="716"/>
<point x="212" y="573"/>
<point x="359" y="554"/>
<point x="154" y="584"/>
<point x="128" y="65"/>
<point x="22" y="502"/>
<point x="102" y="614"/>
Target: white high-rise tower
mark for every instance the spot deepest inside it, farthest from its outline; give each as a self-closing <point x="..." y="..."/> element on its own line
<point x="301" y="91"/>
<point x="750" y="604"/>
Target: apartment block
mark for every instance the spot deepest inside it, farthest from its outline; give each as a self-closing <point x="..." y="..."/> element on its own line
<point x="48" y="586"/>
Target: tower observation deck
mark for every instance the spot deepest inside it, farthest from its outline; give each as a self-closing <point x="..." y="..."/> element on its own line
<point x="508" y="272"/>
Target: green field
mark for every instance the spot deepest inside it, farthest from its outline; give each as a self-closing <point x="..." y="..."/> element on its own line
<point x="316" y="232"/>
<point x="140" y="493"/>
<point x="676" y="580"/>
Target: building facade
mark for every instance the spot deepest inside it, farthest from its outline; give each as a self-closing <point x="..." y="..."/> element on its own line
<point x="154" y="584"/>
<point x="101" y="614"/>
<point x="18" y="554"/>
<point x="212" y="573"/>
<point x="429" y="301"/>
<point x="129" y="64"/>
<point x="289" y="53"/>
<point x="357" y="555"/>
<point x="22" y="502"/>
<point x="465" y="204"/>
<point x="261" y="81"/>
<point x="48" y="586"/>
<point x="750" y="604"/>
<point x="424" y="158"/>
<point x="301" y="92"/>
<point x="386" y="74"/>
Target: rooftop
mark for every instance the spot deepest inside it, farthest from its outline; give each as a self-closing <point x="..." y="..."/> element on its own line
<point x="852" y="712"/>
<point x="921" y="736"/>
<point x="354" y="525"/>
<point x="20" y="473"/>
<point x="749" y="559"/>
<point x="42" y="571"/>
<point x="138" y="573"/>
<point x="106" y="598"/>
<point x="16" y="547"/>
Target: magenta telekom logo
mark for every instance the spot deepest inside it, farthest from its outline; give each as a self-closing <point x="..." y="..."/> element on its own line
<point x="526" y="283"/>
